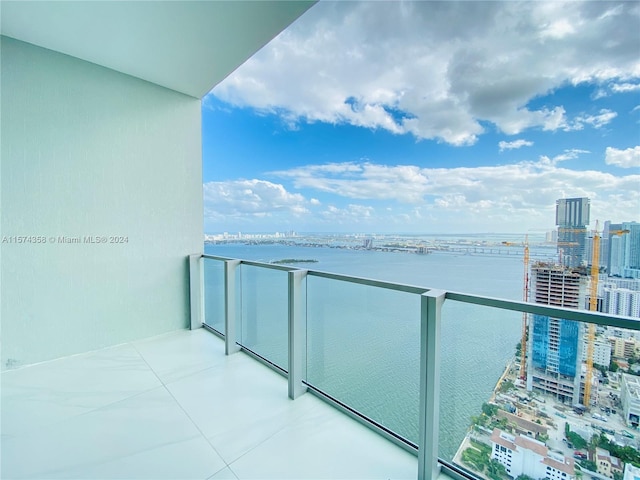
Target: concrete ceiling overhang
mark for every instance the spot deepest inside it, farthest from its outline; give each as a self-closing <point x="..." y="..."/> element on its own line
<point x="187" y="46"/>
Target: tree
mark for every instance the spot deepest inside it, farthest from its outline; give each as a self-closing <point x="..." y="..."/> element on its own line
<point x="589" y="465"/>
<point x="496" y="470"/>
<point x="474" y="458"/>
<point x="506" y="386"/>
<point x="577" y="440"/>
<point x="480" y="420"/>
<point x="613" y="366"/>
<point x="489" y="410"/>
<point x="524" y="477"/>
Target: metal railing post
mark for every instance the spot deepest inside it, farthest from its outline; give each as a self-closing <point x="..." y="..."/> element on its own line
<point x="430" y="310"/>
<point x="196" y="290"/>
<point x="230" y="270"/>
<point x="297" y="332"/>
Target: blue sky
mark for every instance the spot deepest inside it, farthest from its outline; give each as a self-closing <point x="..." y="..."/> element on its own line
<point x="429" y="117"/>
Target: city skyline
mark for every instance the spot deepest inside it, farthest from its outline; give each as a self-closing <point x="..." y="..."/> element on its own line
<point x="370" y="116"/>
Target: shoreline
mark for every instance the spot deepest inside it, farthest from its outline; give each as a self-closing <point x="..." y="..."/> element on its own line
<point x="466" y="441"/>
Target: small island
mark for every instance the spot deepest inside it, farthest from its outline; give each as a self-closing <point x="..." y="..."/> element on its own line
<point x="293" y="260"/>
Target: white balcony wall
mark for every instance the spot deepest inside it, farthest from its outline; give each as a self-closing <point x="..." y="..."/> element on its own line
<point x="90" y="152"/>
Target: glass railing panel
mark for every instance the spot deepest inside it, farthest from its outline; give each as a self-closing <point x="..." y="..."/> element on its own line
<point x="264" y="317"/>
<point x="477" y="344"/>
<point x="214" y="310"/>
<point x="495" y="414"/>
<point x="363" y="350"/>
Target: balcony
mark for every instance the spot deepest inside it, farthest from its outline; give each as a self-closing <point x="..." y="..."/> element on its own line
<point x="175" y="407"/>
<point x="276" y="384"/>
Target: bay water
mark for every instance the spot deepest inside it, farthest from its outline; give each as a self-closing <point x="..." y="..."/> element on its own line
<point x="373" y="365"/>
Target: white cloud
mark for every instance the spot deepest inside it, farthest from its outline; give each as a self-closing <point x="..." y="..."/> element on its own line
<point x="502" y="198"/>
<point x="437" y="70"/>
<point x="625" y="87"/>
<point x="628" y="158"/>
<point x="250" y="198"/>
<point x="366" y="181"/>
<point x="603" y="118"/>
<point x="515" y="144"/>
<point x="570" y="154"/>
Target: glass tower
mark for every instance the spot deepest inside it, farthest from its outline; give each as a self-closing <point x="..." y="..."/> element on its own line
<point x="572" y="218"/>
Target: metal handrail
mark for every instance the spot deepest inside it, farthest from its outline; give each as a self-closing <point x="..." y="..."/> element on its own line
<point x="431" y="314"/>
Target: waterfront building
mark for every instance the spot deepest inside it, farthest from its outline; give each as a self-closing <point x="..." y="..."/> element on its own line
<point x="606" y="463"/>
<point x="523" y="455"/>
<point x="556" y="344"/>
<point x="630" y="398"/>
<point x="572" y="218"/>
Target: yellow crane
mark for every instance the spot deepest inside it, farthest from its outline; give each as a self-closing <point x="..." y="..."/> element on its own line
<point x="593" y="306"/>
<point x="525" y="298"/>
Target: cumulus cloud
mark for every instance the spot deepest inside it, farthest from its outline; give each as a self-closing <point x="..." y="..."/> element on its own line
<point x="625" y="87"/>
<point x="251" y="198"/>
<point x="604" y="117"/>
<point x="628" y="158"/>
<point x="514" y="144"/>
<point x="504" y="196"/>
<point x="410" y="198"/>
<point x="405" y="183"/>
<point x="440" y="70"/>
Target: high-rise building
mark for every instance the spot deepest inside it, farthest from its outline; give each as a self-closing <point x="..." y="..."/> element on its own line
<point x="621" y="301"/>
<point x="556" y="344"/>
<point x="572" y="218"/>
<point x="623" y="259"/>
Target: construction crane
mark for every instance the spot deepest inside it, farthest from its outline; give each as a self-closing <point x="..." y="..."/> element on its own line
<point x="593" y="306"/>
<point x="525" y="298"/>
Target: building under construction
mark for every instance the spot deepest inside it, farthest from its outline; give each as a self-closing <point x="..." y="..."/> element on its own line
<point x="555" y="344"/>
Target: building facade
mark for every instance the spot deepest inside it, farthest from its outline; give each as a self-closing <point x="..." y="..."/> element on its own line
<point x="556" y="345"/>
<point x="572" y="218"/>
<point x="601" y="352"/>
<point x="630" y="398"/>
<point x="607" y="464"/>
<point x="623" y="347"/>
<point x="523" y="455"/>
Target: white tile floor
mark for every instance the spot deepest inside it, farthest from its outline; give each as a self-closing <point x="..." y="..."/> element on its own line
<point x="175" y="407"/>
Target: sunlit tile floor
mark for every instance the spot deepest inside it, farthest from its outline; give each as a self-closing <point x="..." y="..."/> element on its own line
<point x="175" y="407"/>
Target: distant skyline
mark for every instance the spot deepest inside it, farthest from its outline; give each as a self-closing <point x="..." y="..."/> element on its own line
<point x="429" y="117"/>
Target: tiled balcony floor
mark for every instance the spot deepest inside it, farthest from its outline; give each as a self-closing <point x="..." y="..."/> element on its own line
<point x="175" y="407"/>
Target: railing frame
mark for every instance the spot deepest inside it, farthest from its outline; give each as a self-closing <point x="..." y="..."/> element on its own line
<point x="297" y="332"/>
<point x="231" y="345"/>
<point x="429" y="425"/>
<point x="429" y="465"/>
<point x="196" y="290"/>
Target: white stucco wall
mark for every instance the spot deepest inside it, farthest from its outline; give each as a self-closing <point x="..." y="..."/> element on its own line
<point x="89" y="152"/>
